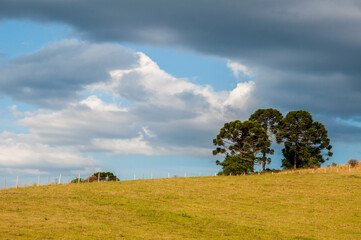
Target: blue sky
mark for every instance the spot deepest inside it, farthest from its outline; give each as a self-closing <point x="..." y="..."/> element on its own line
<point x="143" y="92"/>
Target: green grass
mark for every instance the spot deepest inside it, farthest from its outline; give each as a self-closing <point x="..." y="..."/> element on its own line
<point x="293" y="206"/>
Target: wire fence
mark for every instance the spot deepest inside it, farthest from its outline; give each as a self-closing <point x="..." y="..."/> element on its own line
<point x="41" y="180"/>
<point x="329" y="169"/>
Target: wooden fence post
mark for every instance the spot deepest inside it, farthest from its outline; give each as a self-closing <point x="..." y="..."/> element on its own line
<point x="38" y="181"/>
<point x="59" y="179"/>
<point x="17" y="182"/>
<point x="79" y="178"/>
<point x="215" y="174"/>
<point x="185" y="174"/>
<point x="28" y="181"/>
<point x="168" y="175"/>
<point x="5" y="183"/>
<point x="98" y="177"/>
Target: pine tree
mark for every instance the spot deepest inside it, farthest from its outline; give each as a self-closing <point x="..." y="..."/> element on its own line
<point x="240" y="142"/>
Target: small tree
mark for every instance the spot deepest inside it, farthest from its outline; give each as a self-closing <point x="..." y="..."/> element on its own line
<point x="234" y="165"/>
<point x="92" y="178"/>
<point x="353" y="162"/>
<point x="105" y="176"/>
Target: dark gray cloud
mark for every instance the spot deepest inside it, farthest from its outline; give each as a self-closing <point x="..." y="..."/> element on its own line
<point x="341" y="130"/>
<point x="308" y="42"/>
<point x="307" y="35"/>
<point x="54" y="75"/>
<point x="332" y="94"/>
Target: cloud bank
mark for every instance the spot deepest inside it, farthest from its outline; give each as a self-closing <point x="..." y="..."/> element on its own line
<point x="54" y="75"/>
<point x="136" y="108"/>
<point x="303" y="51"/>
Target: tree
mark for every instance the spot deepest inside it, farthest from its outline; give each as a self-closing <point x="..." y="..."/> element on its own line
<point x="105" y="176"/>
<point x="353" y="162"/>
<point x="307" y="156"/>
<point x="234" y="164"/>
<point x="269" y="119"/>
<point x="304" y="140"/>
<point x="240" y="141"/>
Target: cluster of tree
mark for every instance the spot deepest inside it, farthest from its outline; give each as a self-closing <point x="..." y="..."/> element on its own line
<point x="103" y="176"/>
<point x="247" y="143"/>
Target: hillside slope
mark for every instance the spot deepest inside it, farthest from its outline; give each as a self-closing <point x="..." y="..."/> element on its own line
<point x="293" y="206"/>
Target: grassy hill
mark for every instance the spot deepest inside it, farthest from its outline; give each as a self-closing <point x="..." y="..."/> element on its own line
<point x="292" y="206"/>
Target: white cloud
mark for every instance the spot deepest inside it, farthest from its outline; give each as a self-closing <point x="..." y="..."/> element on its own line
<point x="15" y="111"/>
<point x="171" y="111"/>
<point x="164" y="115"/>
<point x="239" y="70"/>
<point x="24" y="151"/>
<point x="79" y="124"/>
<point x="124" y="146"/>
<point x="95" y="103"/>
<point x="240" y="96"/>
<point x="142" y="147"/>
<point x="148" y="132"/>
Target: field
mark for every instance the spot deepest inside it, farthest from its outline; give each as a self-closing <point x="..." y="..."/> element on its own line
<point x="280" y="206"/>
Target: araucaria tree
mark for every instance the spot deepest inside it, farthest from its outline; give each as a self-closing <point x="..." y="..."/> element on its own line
<point x="240" y="142"/>
<point x="306" y="142"/>
<point x="269" y="120"/>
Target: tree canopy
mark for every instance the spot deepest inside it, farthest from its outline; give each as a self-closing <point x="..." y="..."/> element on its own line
<point x="247" y="143"/>
<point x="304" y="140"/>
<point x="269" y="119"/>
<point x="240" y="142"/>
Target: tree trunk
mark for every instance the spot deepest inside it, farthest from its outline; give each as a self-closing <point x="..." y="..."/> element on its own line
<point x="264" y="162"/>
<point x="295" y="159"/>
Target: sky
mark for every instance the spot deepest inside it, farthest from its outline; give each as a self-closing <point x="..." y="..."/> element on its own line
<point x="139" y="86"/>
